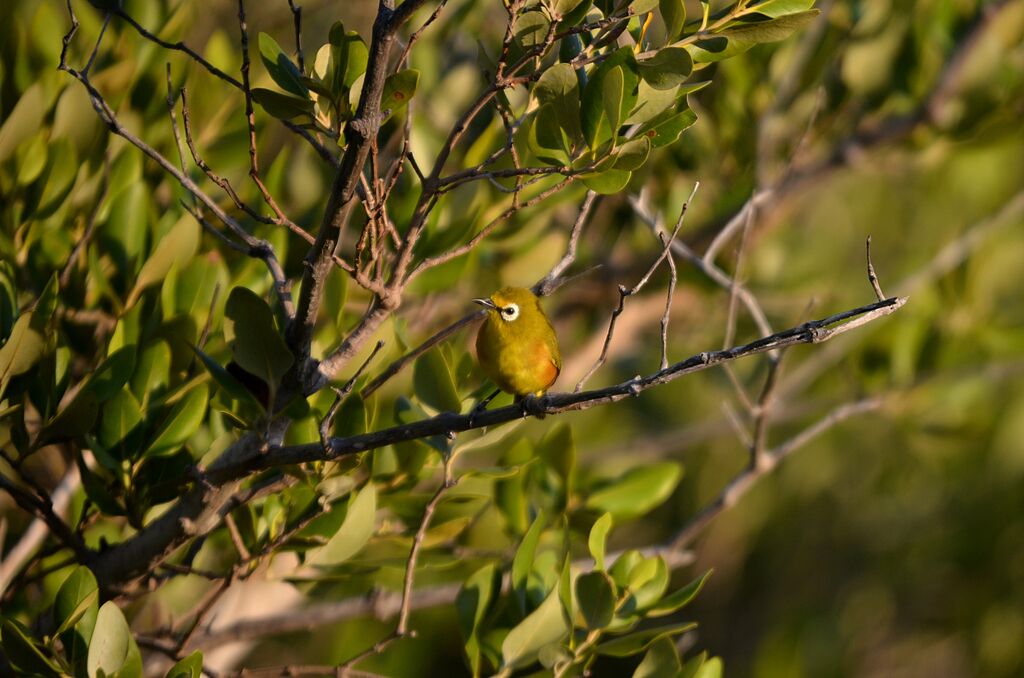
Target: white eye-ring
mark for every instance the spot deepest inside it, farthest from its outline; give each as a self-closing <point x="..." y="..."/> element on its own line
<point x="510" y="312"/>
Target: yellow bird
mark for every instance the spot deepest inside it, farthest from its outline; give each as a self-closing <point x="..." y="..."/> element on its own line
<point x="516" y="345"/>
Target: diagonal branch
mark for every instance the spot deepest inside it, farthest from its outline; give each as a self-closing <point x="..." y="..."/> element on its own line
<point x="817" y="331"/>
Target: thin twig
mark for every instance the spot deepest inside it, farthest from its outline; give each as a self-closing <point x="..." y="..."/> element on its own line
<point x="297" y="20"/>
<point x="872" y="278"/>
<point x="816" y="331"/>
<point x="624" y="292"/>
<point x="343" y="393"/>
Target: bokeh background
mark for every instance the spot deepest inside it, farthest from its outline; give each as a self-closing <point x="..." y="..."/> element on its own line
<point x="893" y="545"/>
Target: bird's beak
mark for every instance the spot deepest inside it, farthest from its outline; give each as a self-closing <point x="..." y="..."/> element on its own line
<point x="485" y="302"/>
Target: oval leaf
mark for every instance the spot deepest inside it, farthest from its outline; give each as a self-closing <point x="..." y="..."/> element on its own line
<point x="597" y="539"/>
<point x="78" y="592"/>
<point x="595" y="596"/>
<point x="112" y="648"/>
<point x="354" y="532"/>
<point x="184" y="420"/>
<point x="544" y="625"/>
<point x="638" y="491"/>
<point x="433" y="383"/>
<point x="635" y="643"/>
<point x="256" y="344"/>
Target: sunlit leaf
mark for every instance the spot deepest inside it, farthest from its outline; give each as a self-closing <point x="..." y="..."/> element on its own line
<point x="353" y="534"/>
<point x="544" y="625"/>
<point x="635" y="643"/>
<point x="286" y="74"/>
<point x="597" y="539"/>
<point x="113" y="648"/>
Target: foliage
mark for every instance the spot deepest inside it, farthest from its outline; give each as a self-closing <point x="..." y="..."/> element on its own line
<point x="143" y="350"/>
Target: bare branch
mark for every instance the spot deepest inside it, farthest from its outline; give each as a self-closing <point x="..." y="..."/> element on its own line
<point x="12" y="562"/>
<point x="817" y="331"/>
<point x="343" y="393"/>
<point x="297" y="20"/>
<point x="716" y="274"/>
<point x="546" y="284"/>
<point x="383" y="605"/>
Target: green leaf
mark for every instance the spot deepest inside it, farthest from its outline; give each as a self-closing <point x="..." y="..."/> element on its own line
<point x="286" y="74"/>
<point x="633" y="154"/>
<point x="531" y="29"/>
<point x="189" y="667"/>
<point x="123" y="234"/>
<point x="113" y="648"/>
<point x="647" y="583"/>
<point x="712" y="668"/>
<point x="175" y="248"/>
<point x="23" y="653"/>
<point x="642" y="6"/>
<point x="353" y="417"/>
<point x="57" y="180"/>
<point x="606" y="182"/>
<point x="112" y="374"/>
<point x="153" y="370"/>
<point x="661" y="661"/>
<point x="349" y="56"/>
<point x="73" y="420"/>
<point x="595" y="595"/>
<point x="665" y="128"/>
<point x="183" y="421"/>
<point x="471" y="604"/>
<point x="559" y="87"/>
<point x="678" y="599"/>
<point x="598" y="538"/>
<point x="673" y="13"/>
<point x="120" y="423"/>
<point x="635" y="643"/>
<point x="353" y="534"/>
<point x="693" y="666"/>
<point x="609" y="97"/>
<point x="561" y="8"/>
<point x="558" y="451"/>
<point x="544" y="625"/>
<point x="638" y="491"/>
<point x="256" y="344"/>
<point x="31" y="159"/>
<point x="27" y="342"/>
<point x="231" y="386"/>
<point x="21" y="352"/>
<point x="612" y="96"/>
<point x="546" y="139"/>
<point x="771" y="30"/>
<point x="281" y="106"/>
<point x="399" y="88"/>
<point x="433" y="382"/>
<point x="777" y="8"/>
<point x="77" y="594"/>
<point x="522" y="563"/>
<point x="668" y="68"/>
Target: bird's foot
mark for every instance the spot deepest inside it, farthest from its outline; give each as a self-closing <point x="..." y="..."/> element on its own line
<point x="533" y="406"/>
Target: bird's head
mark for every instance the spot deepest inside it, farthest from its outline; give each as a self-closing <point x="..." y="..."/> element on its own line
<point x="510" y="303"/>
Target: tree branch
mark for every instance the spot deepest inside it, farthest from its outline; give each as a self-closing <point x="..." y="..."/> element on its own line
<point x="817" y="331"/>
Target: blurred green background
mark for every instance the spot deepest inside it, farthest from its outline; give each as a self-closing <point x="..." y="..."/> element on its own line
<point x="893" y="545"/>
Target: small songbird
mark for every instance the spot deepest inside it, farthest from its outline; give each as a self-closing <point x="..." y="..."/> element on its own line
<point x="516" y="345"/>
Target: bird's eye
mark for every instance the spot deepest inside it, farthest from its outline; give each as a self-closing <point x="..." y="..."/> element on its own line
<point x="510" y="312"/>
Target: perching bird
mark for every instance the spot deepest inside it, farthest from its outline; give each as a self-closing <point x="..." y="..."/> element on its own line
<point x="516" y="345"/>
